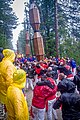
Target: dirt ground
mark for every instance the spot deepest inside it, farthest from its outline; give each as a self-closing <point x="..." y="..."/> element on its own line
<point x="29" y="95"/>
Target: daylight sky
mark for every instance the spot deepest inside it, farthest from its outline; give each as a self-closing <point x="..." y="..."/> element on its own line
<point x="18" y="7"/>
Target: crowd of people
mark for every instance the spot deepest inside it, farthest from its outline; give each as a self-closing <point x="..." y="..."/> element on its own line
<point x="55" y="83"/>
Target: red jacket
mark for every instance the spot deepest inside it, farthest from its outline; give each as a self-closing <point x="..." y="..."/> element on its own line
<point x="38" y="72"/>
<point x="53" y="96"/>
<point x="44" y="65"/>
<point x="40" y="94"/>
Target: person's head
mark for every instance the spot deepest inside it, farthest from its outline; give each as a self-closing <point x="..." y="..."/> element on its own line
<point x="38" y="65"/>
<point x="62" y="62"/>
<point x="61" y="76"/>
<point x="1" y="54"/>
<point x="49" y="74"/>
<point x="1" y="49"/>
<point x="49" y="68"/>
<point x="9" y="54"/>
<point x="78" y="69"/>
<point x="19" y="78"/>
<point x="43" y="77"/>
<point x="66" y="87"/>
<point x="71" y="87"/>
<point x="1" y="57"/>
<point x="30" y="66"/>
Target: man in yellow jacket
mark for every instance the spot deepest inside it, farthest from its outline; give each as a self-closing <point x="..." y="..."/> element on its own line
<point x="6" y="72"/>
<point x="16" y="104"/>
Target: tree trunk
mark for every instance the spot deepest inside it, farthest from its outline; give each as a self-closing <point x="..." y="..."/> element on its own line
<point x="56" y="29"/>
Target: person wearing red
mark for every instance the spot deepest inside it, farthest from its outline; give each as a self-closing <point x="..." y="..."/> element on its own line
<point x="64" y="68"/>
<point x="40" y="95"/>
<point x="43" y="65"/>
<point x="51" y="99"/>
<point x="38" y="72"/>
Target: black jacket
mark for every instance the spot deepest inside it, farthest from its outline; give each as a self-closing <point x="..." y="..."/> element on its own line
<point x="31" y="73"/>
<point x="64" y="70"/>
<point x="66" y="85"/>
<point x="76" y="80"/>
<point x="45" y="82"/>
<point x="70" y="106"/>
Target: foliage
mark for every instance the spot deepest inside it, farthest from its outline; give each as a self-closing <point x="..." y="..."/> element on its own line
<point x="22" y="42"/>
<point x="68" y="31"/>
<point x="71" y="50"/>
<point x="69" y="27"/>
<point x="8" y="22"/>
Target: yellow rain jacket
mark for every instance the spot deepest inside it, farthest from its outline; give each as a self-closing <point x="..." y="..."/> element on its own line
<point x="6" y="73"/>
<point x="17" y="108"/>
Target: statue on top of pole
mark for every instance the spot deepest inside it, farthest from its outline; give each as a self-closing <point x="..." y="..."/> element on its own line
<point x="35" y="23"/>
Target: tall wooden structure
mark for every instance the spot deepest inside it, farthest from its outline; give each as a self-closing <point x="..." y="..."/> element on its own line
<point x="27" y="44"/>
<point x="27" y="38"/>
<point x="35" y="23"/>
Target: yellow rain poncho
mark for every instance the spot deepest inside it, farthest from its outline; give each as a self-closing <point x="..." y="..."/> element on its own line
<point x="17" y="108"/>
<point x="6" y="73"/>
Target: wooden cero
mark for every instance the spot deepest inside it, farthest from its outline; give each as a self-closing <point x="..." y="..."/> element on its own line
<point x="35" y="23"/>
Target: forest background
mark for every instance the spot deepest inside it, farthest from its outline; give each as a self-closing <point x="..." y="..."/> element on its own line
<point x="68" y="16"/>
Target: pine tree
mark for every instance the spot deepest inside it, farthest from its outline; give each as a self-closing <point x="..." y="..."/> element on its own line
<point x="8" y="22"/>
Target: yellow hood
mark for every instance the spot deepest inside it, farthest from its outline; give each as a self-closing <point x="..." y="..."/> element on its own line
<point x="19" y="78"/>
<point x="9" y="55"/>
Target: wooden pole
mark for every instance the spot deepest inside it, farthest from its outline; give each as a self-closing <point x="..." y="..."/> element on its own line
<point x="35" y="23"/>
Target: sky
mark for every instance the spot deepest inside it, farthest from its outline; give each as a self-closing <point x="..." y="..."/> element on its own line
<point x="18" y="7"/>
